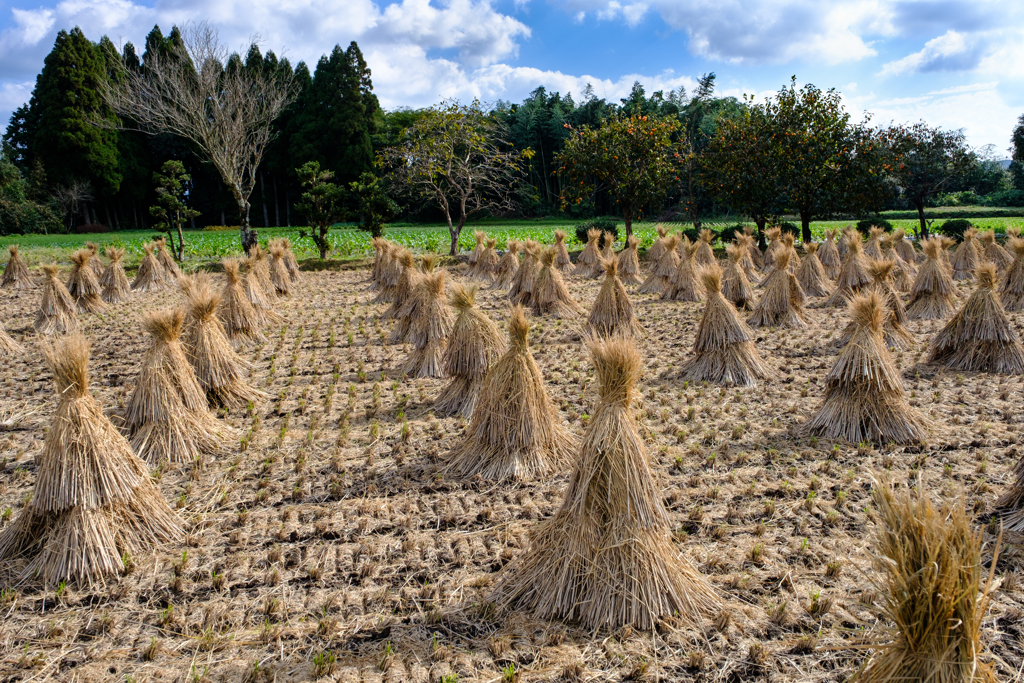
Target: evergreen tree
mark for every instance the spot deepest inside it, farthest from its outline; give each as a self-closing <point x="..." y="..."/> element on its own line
<point x="1017" y="163"/>
<point x="171" y="211"/>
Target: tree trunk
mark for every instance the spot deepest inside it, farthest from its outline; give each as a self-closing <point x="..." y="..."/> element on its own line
<point x="627" y="218"/>
<point x="263" y="200"/>
<point x="106" y="210"/>
<point x="919" y="203"/>
<point x="288" y="207"/>
<point x="760" y="221"/>
<point x="805" y="226"/>
<point x="247" y="235"/>
<point x="454" y="232"/>
<point x="181" y="244"/>
<point x="277" y="204"/>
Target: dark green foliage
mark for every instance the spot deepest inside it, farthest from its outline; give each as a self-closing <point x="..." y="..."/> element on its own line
<point x="606" y="225"/>
<point x="322" y="204"/>
<point x="1017" y="160"/>
<point x="171" y="211"/>
<point x="727" y="235"/>
<point x="20" y="213"/>
<point x="955" y="228"/>
<point x="371" y="207"/>
<point x="792" y="228"/>
<point x="865" y="225"/>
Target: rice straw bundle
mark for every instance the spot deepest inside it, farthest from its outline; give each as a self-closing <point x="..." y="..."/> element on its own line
<point x="505" y="273"/>
<point x="475" y="342"/>
<point x="83" y="286"/>
<point x="430" y="327"/>
<point x="811" y="274"/>
<point x="171" y="272"/>
<point x="864" y="397"/>
<point x="782" y="304"/>
<point x="279" y="277"/>
<point x="255" y="292"/>
<point x="407" y="282"/>
<point x="612" y="313"/>
<point x="166" y="417"/>
<point x="774" y="236"/>
<point x="904" y="247"/>
<point x="94" y="262"/>
<point x="290" y="262"/>
<point x="829" y="257"/>
<point x="488" y="261"/>
<point x="8" y="346"/>
<point x="381" y="256"/>
<point x="515" y="432"/>
<point x="15" y="272"/>
<point x="933" y="600"/>
<point x="474" y="255"/>
<point x="703" y="254"/>
<point x="150" y="276"/>
<point x="931" y="297"/>
<point x="236" y="312"/>
<point x="735" y="286"/>
<point x="966" y="257"/>
<point x="745" y="244"/>
<point x="629" y="262"/>
<point x="56" y="313"/>
<point x="980" y="337"/>
<point x="755" y="252"/>
<point x="1012" y="289"/>
<point x="853" y="274"/>
<point x="93" y="500"/>
<point x="115" y="285"/>
<point x="873" y="247"/>
<point x="993" y="252"/>
<point x="220" y="371"/>
<point x="849" y="234"/>
<point x="683" y="286"/>
<point x="723" y="351"/>
<point x="259" y="269"/>
<point x="550" y="294"/>
<point x="788" y="243"/>
<point x="894" y="328"/>
<point x="606" y="559"/>
<point x="657" y="249"/>
<point x="521" y="291"/>
<point x="664" y="270"/>
<point x="1011" y="503"/>
<point x="590" y="258"/>
<point x="562" y="259"/>
<point x="903" y="273"/>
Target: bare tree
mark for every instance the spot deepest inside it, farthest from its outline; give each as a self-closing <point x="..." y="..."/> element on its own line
<point x="456" y="157"/>
<point x="71" y="197"/>
<point x="201" y="92"/>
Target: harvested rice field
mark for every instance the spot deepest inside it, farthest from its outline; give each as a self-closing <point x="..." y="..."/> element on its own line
<point x="326" y="540"/>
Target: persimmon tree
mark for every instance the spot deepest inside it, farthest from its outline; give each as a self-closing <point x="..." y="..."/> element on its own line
<point x="457" y="158"/>
<point x="635" y="158"/>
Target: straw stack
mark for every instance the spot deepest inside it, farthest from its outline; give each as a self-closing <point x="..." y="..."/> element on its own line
<point x="15" y="272"/>
<point x="114" y="283"/>
<point x="993" y="252"/>
<point x="873" y="247"/>
<point x="590" y="258"/>
<point x="83" y="286"/>
<point x="505" y="273"/>
<point x="606" y="559"/>
<point x="56" y="313"/>
<point x="703" y="254"/>
<point x="550" y="294"/>
<point x="657" y="249"/>
<point x="407" y="283"/>
<point x="894" y="328"/>
<point x="864" y="397"/>
<point x="903" y="273"/>
<point x="290" y="262"/>
<point x="1011" y="290"/>
<point x="612" y="313"/>
<point x="735" y="285"/>
<point x="664" y="270"/>
<point x="170" y="269"/>
<point x="429" y="329"/>
<point x="931" y="297"/>
<point x="811" y="274"/>
<point x="474" y="255"/>
<point x="683" y="286"/>
<point x="93" y="501"/>
<point x="150" y="276"/>
<point x="241" y="320"/>
<point x="788" y="244"/>
<point x="904" y="247"/>
<point x="755" y="252"/>
<point x="747" y="247"/>
<point x="774" y="236"/>
<point x="279" y="277"/>
<point x="853" y="273"/>
<point x="980" y="337"/>
<point x="515" y="432"/>
<point x="966" y="257"/>
<point x="255" y="292"/>
<point x="94" y="262"/>
<point x="475" y="342"/>
<point x="1011" y="503"/>
<point x="166" y="417"/>
<point x="381" y="257"/>
<point x="390" y="272"/>
<point x="782" y="304"/>
<point x="220" y="371"/>
<point x="521" y="290"/>
<point x="629" y="262"/>
<point x="8" y="347"/>
<point x="562" y="260"/>
<point x="723" y="351"/>
<point x="829" y="257"/>
<point x="488" y="261"/>
<point x="933" y="601"/>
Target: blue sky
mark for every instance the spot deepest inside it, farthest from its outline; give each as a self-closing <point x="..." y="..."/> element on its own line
<point x="953" y="63"/>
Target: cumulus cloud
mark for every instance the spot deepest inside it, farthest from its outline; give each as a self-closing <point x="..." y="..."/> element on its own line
<point x="951" y="51"/>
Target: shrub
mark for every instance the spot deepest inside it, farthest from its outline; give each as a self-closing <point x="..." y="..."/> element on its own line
<point x="955" y="228"/>
<point x="865" y="225"/>
<point x="1004" y="198"/>
<point x="605" y="225"/>
<point x="728" y="234"/>
<point x="693" y="234"/>
<point x="791" y="228"/>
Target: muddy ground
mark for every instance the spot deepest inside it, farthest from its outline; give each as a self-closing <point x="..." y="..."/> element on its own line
<point x="324" y="542"/>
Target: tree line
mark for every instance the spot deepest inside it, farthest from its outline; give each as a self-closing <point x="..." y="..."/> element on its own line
<point x="258" y="141"/>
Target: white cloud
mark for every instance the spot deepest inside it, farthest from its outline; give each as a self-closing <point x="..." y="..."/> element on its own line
<point x="951" y="51"/>
<point x="13" y="95"/>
